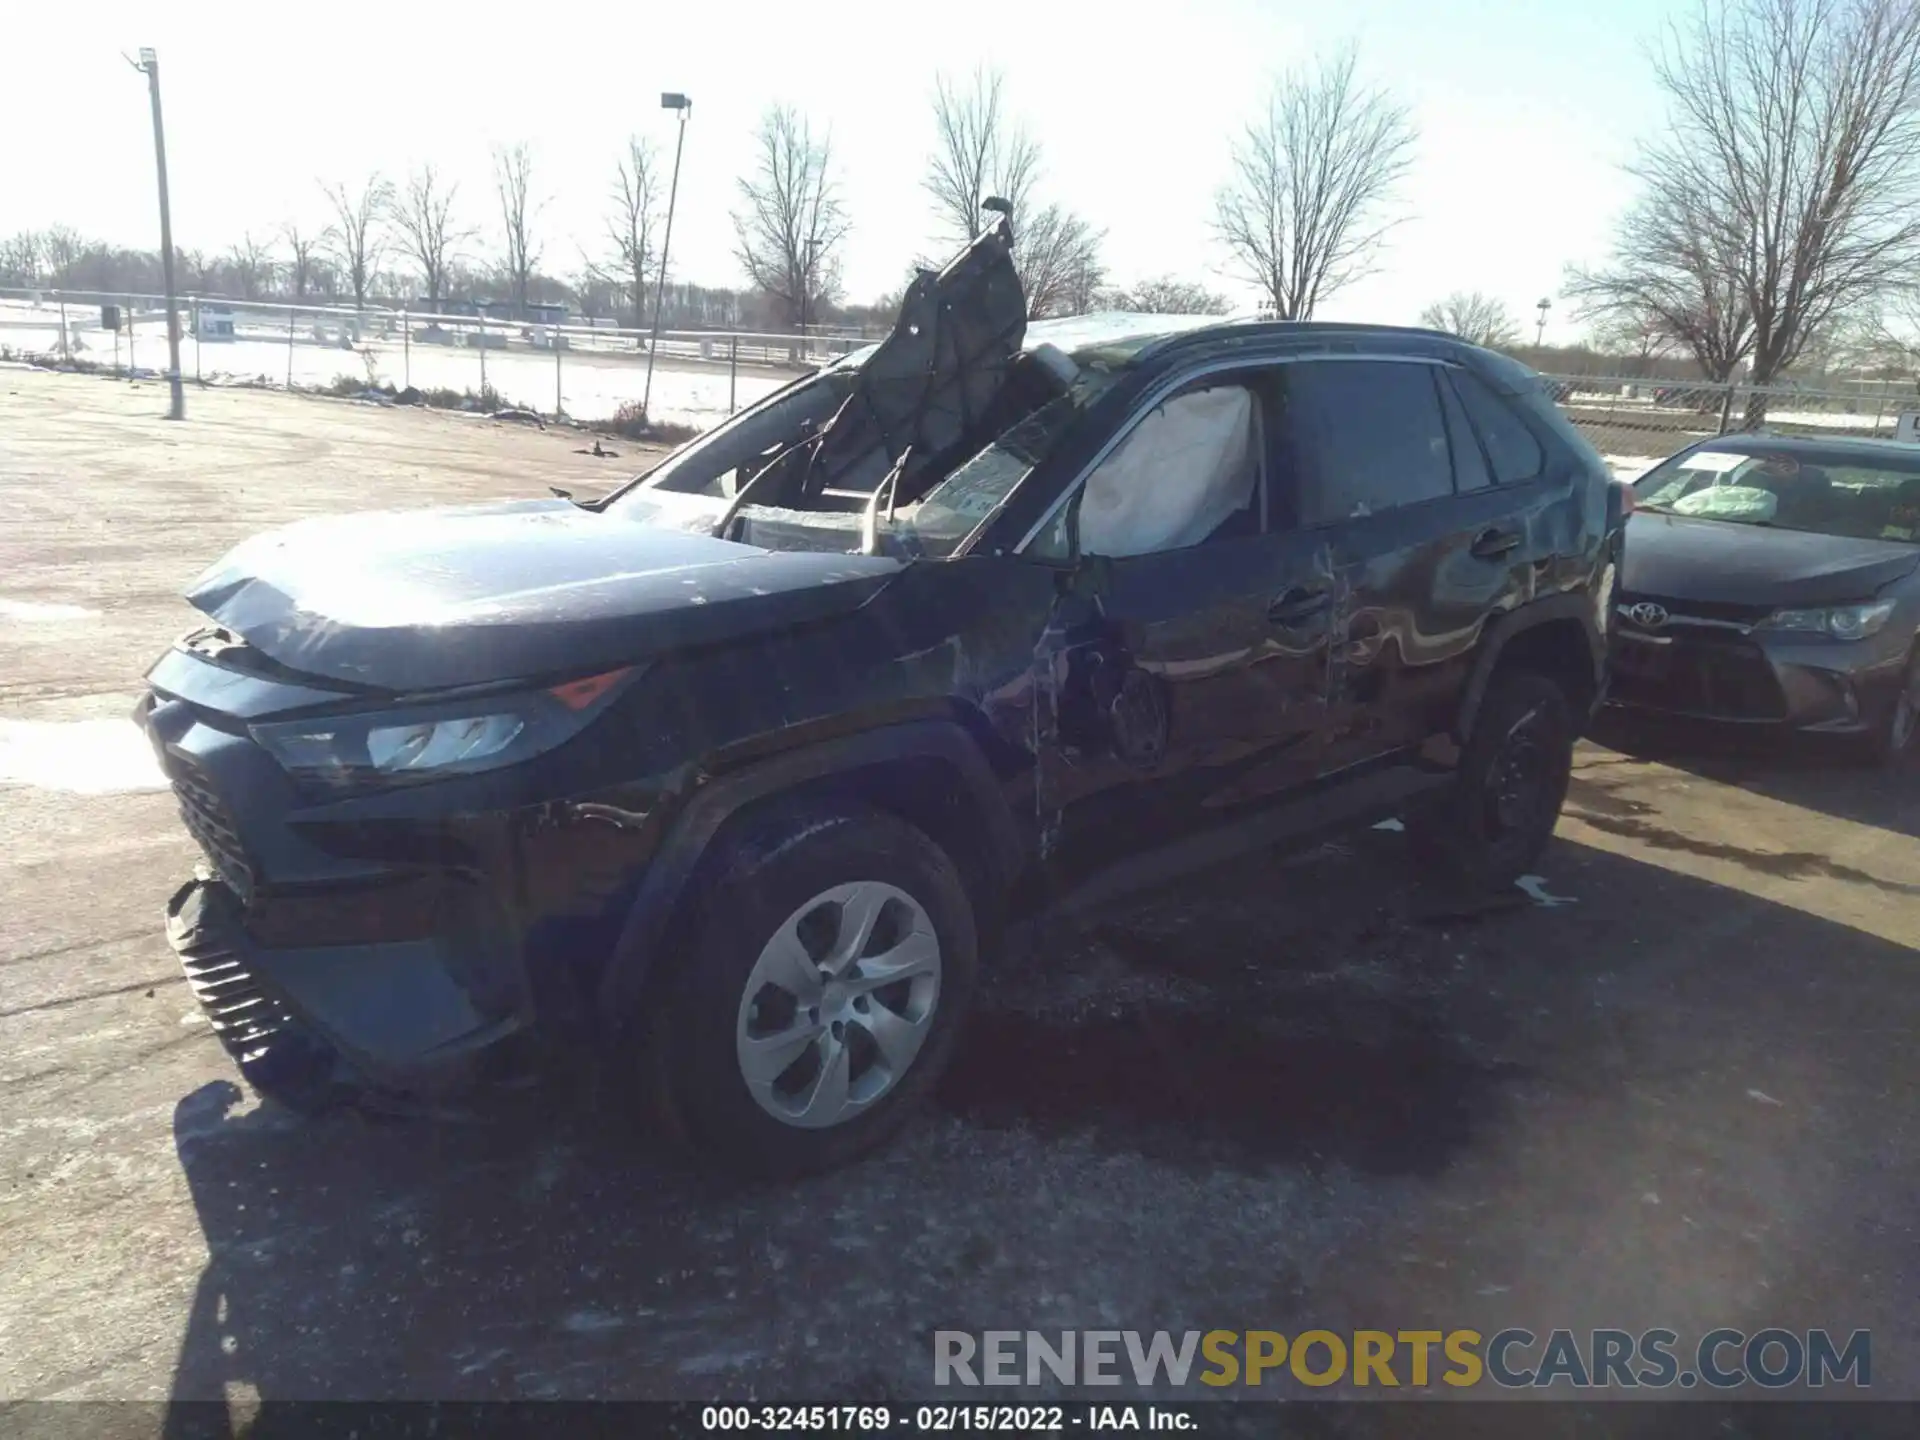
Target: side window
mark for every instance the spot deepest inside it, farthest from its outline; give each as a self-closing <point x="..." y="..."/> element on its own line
<point x="1470" y="470"/>
<point x="1187" y="472"/>
<point x="1371" y="436"/>
<point x="1511" y="447"/>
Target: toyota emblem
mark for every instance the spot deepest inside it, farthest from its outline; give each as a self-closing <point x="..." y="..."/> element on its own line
<point x="1647" y="615"/>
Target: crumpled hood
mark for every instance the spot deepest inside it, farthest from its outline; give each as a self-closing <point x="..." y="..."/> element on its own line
<point x="431" y="599"/>
<point x="1677" y="558"/>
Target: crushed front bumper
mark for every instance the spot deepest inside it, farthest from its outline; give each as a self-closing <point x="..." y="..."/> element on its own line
<point x="312" y="1025"/>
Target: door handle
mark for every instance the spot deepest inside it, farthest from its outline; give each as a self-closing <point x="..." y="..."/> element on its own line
<point x="1492" y="544"/>
<point x="1297" y="605"/>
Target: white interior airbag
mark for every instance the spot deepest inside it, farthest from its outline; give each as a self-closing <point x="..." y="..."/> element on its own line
<point x="1175" y="479"/>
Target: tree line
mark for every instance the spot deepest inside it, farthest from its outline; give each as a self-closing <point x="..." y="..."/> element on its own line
<point x="1776" y="224"/>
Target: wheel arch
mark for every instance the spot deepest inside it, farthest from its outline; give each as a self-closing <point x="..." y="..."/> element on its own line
<point x="1558" y="636"/>
<point x="931" y="773"/>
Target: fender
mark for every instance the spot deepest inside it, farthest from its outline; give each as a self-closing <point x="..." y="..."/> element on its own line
<point x="1503" y="629"/>
<point x="694" y="830"/>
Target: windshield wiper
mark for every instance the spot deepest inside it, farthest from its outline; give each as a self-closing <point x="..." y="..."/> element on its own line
<point x="745" y="492"/>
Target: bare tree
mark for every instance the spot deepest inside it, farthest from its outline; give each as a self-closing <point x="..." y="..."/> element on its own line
<point x="429" y="232"/>
<point x="1677" y="274"/>
<point x="1784" y="189"/>
<point x="1638" y="336"/>
<point x="62" y="248"/>
<point x="1304" y="212"/>
<point x="1477" y="318"/>
<point x="791" y="220"/>
<point x="358" y="233"/>
<point x="630" y="225"/>
<point x="979" y="151"/>
<point x="22" y="258"/>
<point x="1165" y="295"/>
<point x="1058" y="256"/>
<point x="519" y="208"/>
<point x="303" y="249"/>
<point x="250" y="265"/>
<point x="200" y="270"/>
<point x="1888" y="342"/>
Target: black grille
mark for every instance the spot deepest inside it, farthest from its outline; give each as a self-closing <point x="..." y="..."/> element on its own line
<point x="212" y="826"/>
<point x="242" y="1014"/>
<point x="1730" y="681"/>
<point x="278" y="1056"/>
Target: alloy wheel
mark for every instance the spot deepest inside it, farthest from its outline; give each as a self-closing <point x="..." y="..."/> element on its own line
<point x="838" y="1004"/>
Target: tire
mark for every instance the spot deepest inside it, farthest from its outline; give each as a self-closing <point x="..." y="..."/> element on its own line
<point x="802" y="877"/>
<point x="1470" y="837"/>
<point x="1896" y="744"/>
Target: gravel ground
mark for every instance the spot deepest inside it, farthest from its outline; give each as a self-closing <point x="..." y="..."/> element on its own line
<point x="1291" y="1094"/>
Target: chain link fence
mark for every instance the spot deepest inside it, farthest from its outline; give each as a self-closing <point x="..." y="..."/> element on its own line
<point x="458" y="357"/>
<point x="1648" y="420"/>
<point x="595" y="372"/>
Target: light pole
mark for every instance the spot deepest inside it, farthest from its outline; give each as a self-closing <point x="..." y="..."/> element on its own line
<point x="149" y="63"/>
<point x="1540" y="330"/>
<point x="668" y="101"/>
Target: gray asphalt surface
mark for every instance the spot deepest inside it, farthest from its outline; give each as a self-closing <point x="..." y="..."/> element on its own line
<point x="1286" y="1096"/>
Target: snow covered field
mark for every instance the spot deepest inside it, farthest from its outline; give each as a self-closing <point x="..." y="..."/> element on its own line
<point x="1630" y="467"/>
<point x="592" y="386"/>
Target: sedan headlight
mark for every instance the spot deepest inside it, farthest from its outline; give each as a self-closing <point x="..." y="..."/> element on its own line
<point x="433" y="741"/>
<point x="1842" y="622"/>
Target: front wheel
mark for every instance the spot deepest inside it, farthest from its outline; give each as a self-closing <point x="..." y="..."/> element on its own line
<point x="832" y="958"/>
<point x="1491" y="825"/>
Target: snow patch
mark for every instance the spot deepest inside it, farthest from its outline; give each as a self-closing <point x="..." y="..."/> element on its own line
<point x="1629" y="467"/>
<point x="35" y="610"/>
<point x="79" y="757"/>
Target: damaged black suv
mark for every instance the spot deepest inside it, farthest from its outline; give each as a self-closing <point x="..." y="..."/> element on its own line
<point x="737" y="777"/>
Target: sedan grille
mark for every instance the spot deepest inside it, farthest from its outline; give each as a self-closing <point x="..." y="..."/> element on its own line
<point x="212" y="826"/>
<point x="1711" y="613"/>
<point x="1723" y="679"/>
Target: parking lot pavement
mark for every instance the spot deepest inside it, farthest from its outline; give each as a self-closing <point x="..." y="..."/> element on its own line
<point x="1675" y="1089"/>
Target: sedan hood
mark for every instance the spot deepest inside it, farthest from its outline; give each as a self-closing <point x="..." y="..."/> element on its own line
<point x="433" y="599"/>
<point x="1677" y="558"/>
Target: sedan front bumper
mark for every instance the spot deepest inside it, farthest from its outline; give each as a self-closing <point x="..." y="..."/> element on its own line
<point x="1745" y="677"/>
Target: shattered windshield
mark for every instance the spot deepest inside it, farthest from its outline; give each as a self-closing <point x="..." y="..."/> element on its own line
<point x="1858" y="495"/>
<point x="961" y="503"/>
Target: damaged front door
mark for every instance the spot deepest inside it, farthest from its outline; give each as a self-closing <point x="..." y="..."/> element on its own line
<point x="1185" y="666"/>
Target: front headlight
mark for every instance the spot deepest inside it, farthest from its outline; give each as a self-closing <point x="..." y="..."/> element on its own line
<point x="1842" y="622"/>
<point x="433" y="741"/>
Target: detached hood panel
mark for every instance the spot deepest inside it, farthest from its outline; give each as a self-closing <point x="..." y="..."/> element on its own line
<point x="432" y="599"/>
<point x="931" y="383"/>
<point x="1679" y="558"/>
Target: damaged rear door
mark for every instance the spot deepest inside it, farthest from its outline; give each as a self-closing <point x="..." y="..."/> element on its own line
<point x="1186" y="661"/>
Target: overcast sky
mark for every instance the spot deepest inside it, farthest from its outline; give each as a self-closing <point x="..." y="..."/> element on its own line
<point x="1526" y="109"/>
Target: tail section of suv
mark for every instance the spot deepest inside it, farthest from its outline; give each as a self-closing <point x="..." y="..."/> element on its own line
<point x="741" y="773"/>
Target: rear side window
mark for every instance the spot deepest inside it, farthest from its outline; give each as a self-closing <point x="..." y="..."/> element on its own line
<point x="1369" y="436"/>
<point x="1512" y="449"/>
<point x="1469" y="461"/>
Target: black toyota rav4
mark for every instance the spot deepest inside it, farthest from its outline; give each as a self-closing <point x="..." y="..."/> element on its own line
<point x="738" y="777"/>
